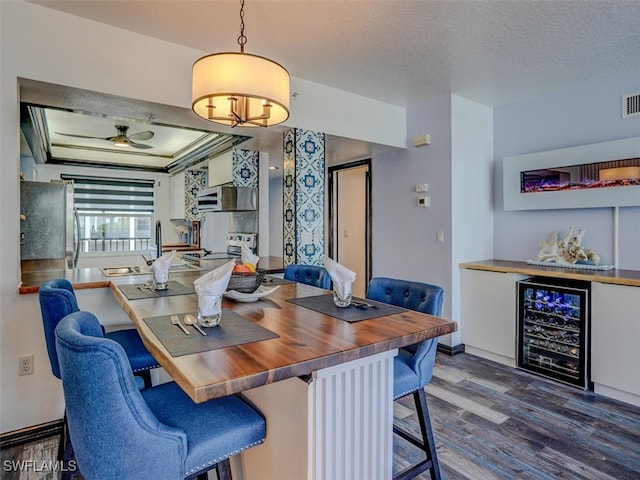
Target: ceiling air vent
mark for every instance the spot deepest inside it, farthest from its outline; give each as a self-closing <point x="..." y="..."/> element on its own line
<point x="631" y="105"/>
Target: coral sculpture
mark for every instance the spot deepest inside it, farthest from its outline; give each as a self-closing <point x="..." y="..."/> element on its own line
<point x="568" y="249"/>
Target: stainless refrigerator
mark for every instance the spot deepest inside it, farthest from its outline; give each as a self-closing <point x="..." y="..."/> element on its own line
<point x="49" y="226"/>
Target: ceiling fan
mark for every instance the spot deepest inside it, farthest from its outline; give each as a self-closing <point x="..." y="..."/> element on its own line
<point x="121" y="139"/>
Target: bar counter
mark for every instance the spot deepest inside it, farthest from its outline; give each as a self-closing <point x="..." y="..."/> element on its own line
<point x="82" y="278"/>
<point x="325" y="385"/>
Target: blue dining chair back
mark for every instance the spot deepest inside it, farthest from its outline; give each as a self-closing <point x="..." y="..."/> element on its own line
<point x="58" y="299"/>
<point x="119" y="431"/>
<point x="413" y="366"/>
<point x="309" y="274"/>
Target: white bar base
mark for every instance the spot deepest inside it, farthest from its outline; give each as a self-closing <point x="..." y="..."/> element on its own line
<point x="338" y="426"/>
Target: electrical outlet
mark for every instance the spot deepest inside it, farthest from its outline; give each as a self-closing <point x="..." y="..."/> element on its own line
<point x="25" y="364"/>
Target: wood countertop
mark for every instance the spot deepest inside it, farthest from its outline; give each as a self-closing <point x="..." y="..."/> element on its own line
<point x="308" y="340"/>
<point x="618" y="277"/>
<point x="82" y="278"/>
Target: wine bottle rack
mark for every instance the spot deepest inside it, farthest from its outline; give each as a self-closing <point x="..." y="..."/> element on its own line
<point x="552" y="329"/>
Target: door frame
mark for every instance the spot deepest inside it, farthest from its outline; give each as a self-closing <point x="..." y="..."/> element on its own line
<point x="332" y="219"/>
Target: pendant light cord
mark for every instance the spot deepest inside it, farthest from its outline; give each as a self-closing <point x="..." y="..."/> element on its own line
<point x="242" y="39"/>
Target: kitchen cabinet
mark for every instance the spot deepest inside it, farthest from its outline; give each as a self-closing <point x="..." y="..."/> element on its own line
<point x="221" y="169"/>
<point x="615" y="327"/>
<point x="176" y="197"/>
<point x="488" y="319"/>
<point x="183" y="188"/>
<point x="488" y="314"/>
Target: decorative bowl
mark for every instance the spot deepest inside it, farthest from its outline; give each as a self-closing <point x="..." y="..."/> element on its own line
<point x="246" y="282"/>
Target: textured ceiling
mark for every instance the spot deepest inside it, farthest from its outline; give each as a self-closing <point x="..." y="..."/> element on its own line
<point x="403" y="52"/>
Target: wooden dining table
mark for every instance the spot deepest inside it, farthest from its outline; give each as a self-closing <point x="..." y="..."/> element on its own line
<point x="325" y="385"/>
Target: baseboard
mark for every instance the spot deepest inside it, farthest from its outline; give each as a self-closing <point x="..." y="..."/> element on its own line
<point x="30" y="434"/>
<point x="451" y="351"/>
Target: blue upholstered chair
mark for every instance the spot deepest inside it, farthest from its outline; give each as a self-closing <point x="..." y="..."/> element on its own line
<point x="414" y="364"/>
<point x="309" y="274"/>
<point x="119" y="431"/>
<point x="57" y="299"/>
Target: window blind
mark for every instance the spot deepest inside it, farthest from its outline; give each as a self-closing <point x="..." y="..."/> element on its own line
<point x="94" y="194"/>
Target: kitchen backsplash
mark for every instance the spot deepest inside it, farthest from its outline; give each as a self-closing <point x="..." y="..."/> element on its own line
<point x="245" y="168"/>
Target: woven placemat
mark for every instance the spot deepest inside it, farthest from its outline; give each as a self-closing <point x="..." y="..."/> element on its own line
<point x="232" y="330"/>
<point x="138" y="291"/>
<point x="324" y="304"/>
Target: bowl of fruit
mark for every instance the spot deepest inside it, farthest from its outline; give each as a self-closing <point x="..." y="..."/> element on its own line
<point x="246" y="278"/>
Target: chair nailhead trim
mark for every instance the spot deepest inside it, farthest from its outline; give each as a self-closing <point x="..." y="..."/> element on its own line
<point x="145" y="369"/>
<point x="400" y="395"/>
<point x="213" y="462"/>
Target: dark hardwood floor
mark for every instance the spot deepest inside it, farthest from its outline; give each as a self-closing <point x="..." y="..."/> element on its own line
<point x="494" y="422"/>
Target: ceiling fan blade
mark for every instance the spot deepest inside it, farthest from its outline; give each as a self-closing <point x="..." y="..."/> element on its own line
<point x="138" y="145"/>
<point x="141" y="135"/>
<point x="83" y="136"/>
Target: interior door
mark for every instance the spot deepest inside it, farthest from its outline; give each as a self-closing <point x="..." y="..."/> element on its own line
<point x="350" y="220"/>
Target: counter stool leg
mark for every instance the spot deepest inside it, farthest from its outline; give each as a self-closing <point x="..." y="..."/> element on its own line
<point x="427" y="433"/>
<point x="146" y="377"/>
<point x="224" y="470"/>
<point x="426" y="443"/>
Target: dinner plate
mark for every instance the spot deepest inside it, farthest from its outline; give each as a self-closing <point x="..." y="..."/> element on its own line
<point x="262" y="291"/>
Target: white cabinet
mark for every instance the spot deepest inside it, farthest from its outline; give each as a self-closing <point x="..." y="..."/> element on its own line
<point x="183" y="188"/>
<point x="221" y="169"/>
<point x="488" y="314"/>
<point x="615" y="332"/>
<point x="176" y="197"/>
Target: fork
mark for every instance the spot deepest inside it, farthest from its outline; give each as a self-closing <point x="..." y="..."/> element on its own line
<point x="176" y="321"/>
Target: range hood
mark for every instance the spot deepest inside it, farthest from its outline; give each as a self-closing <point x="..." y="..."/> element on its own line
<point x="227" y="199"/>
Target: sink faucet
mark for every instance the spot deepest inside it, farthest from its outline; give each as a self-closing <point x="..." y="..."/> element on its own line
<point x="158" y="239"/>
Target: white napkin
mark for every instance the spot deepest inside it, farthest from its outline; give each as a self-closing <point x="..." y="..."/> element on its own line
<point x="341" y="276"/>
<point x="247" y="256"/>
<point x="161" y="267"/>
<point x="214" y="282"/>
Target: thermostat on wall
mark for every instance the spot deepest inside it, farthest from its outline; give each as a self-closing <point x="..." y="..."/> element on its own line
<point x="423" y="201"/>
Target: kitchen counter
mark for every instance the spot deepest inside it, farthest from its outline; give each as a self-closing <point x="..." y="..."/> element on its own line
<point x="82" y="278"/>
<point x="616" y="276"/>
<point x="79" y="277"/>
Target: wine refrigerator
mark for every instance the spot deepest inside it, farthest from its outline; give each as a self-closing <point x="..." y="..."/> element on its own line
<point x="553" y="329"/>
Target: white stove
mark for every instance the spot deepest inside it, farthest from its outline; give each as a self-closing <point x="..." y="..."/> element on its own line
<point x="235" y="241"/>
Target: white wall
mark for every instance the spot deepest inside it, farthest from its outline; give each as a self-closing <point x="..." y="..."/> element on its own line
<point x="457" y="166"/>
<point x="404" y="235"/>
<point x="471" y="193"/>
<point x="579" y="116"/>
<point x="45" y="45"/>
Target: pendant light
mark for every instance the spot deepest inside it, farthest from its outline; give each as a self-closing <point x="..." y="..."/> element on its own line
<point x="240" y="89"/>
